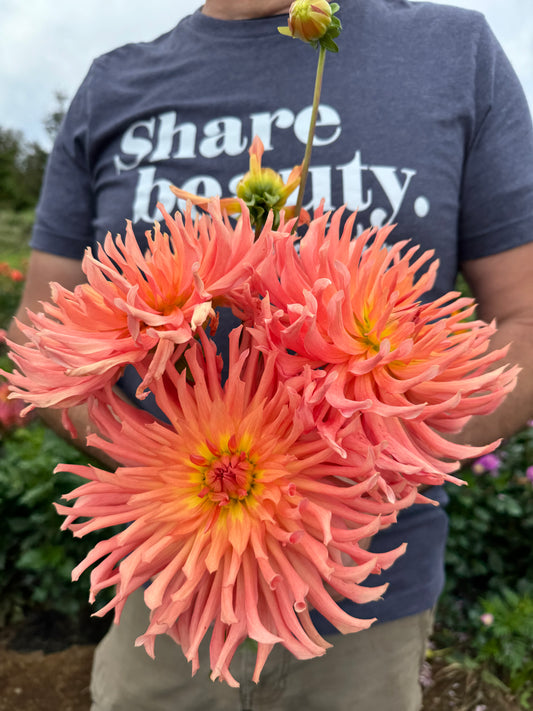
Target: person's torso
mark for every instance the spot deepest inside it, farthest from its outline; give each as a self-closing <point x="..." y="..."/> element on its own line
<point x="392" y="128"/>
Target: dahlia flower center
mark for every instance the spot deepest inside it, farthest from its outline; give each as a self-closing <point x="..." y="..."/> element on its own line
<point x="371" y="333"/>
<point x="167" y="303"/>
<point x="227" y="475"/>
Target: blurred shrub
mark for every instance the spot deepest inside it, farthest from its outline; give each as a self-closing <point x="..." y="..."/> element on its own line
<point x="11" y="285"/>
<point x="36" y="558"/>
<point x="485" y="615"/>
<point x="491" y="522"/>
<point x="504" y="641"/>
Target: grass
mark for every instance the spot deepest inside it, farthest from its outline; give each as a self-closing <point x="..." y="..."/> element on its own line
<point x="15" y="233"/>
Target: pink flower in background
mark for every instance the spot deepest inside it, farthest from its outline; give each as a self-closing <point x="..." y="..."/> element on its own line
<point x="16" y="275"/>
<point x="134" y="307"/>
<point x="487" y="463"/>
<point x="12" y="274"/>
<point x="10" y="411"/>
<point x="238" y="519"/>
<point x="355" y="337"/>
<point x="529" y="474"/>
<point x="487" y="619"/>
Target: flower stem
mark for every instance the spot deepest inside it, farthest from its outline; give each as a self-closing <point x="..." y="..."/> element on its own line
<point x="310" y="136"/>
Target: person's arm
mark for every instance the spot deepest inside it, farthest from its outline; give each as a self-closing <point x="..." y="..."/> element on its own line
<point x="44" y="268"/>
<point x="502" y="285"/>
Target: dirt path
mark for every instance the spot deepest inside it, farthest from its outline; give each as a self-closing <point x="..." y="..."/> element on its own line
<point x="59" y="681"/>
<point x="34" y="681"/>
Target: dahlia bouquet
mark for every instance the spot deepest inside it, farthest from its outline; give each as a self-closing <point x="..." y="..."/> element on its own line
<point x="252" y="500"/>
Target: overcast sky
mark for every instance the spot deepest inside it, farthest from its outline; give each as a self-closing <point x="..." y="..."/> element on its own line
<point x="47" y="45"/>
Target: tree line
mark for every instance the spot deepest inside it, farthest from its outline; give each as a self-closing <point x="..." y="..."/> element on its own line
<point x="22" y="163"/>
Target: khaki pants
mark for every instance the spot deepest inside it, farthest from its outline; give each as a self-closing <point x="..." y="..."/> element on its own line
<point x="373" y="670"/>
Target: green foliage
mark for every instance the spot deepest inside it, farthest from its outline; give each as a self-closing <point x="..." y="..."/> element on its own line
<point x="22" y="163"/>
<point x="53" y="121"/>
<point x="36" y="558"/>
<point x="505" y="639"/>
<point x="15" y="233"/>
<point x="15" y="230"/>
<point x="21" y="170"/>
<point x="10" y="293"/>
<point x="491" y="525"/>
<point x="488" y="567"/>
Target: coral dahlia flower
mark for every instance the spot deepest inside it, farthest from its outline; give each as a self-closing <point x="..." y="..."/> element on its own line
<point x="134" y="307"/>
<point x="349" y="320"/>
<point x="238" y="522"/>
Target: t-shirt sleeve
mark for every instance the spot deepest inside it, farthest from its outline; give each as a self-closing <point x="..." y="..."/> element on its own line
<point x="497" y="189"/>
<point x="64" y="215"/>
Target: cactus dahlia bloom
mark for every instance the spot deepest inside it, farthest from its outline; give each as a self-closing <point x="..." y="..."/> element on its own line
<point x="237" y="519"/>
<point x="133" y="307"/>
<point x="353" y="332"/>
<point x="262" y="190"/>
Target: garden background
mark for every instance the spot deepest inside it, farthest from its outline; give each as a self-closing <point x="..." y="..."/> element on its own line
<point x="481" y="657"/>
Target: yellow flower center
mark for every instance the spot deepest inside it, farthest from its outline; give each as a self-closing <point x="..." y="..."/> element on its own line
<point x="167" y="301"/>
<point x="370" y="335"/>
<point x="227" y="474"/>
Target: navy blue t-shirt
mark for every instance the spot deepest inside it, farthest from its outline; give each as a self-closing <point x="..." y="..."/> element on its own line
<point x="422" y="122"/>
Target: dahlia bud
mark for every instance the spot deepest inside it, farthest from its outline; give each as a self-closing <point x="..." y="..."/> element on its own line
<point x="309" y="19"/>
<point x="313" y="21"/>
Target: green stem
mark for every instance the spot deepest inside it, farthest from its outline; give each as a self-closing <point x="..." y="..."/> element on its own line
<point x="310" y="136"/>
